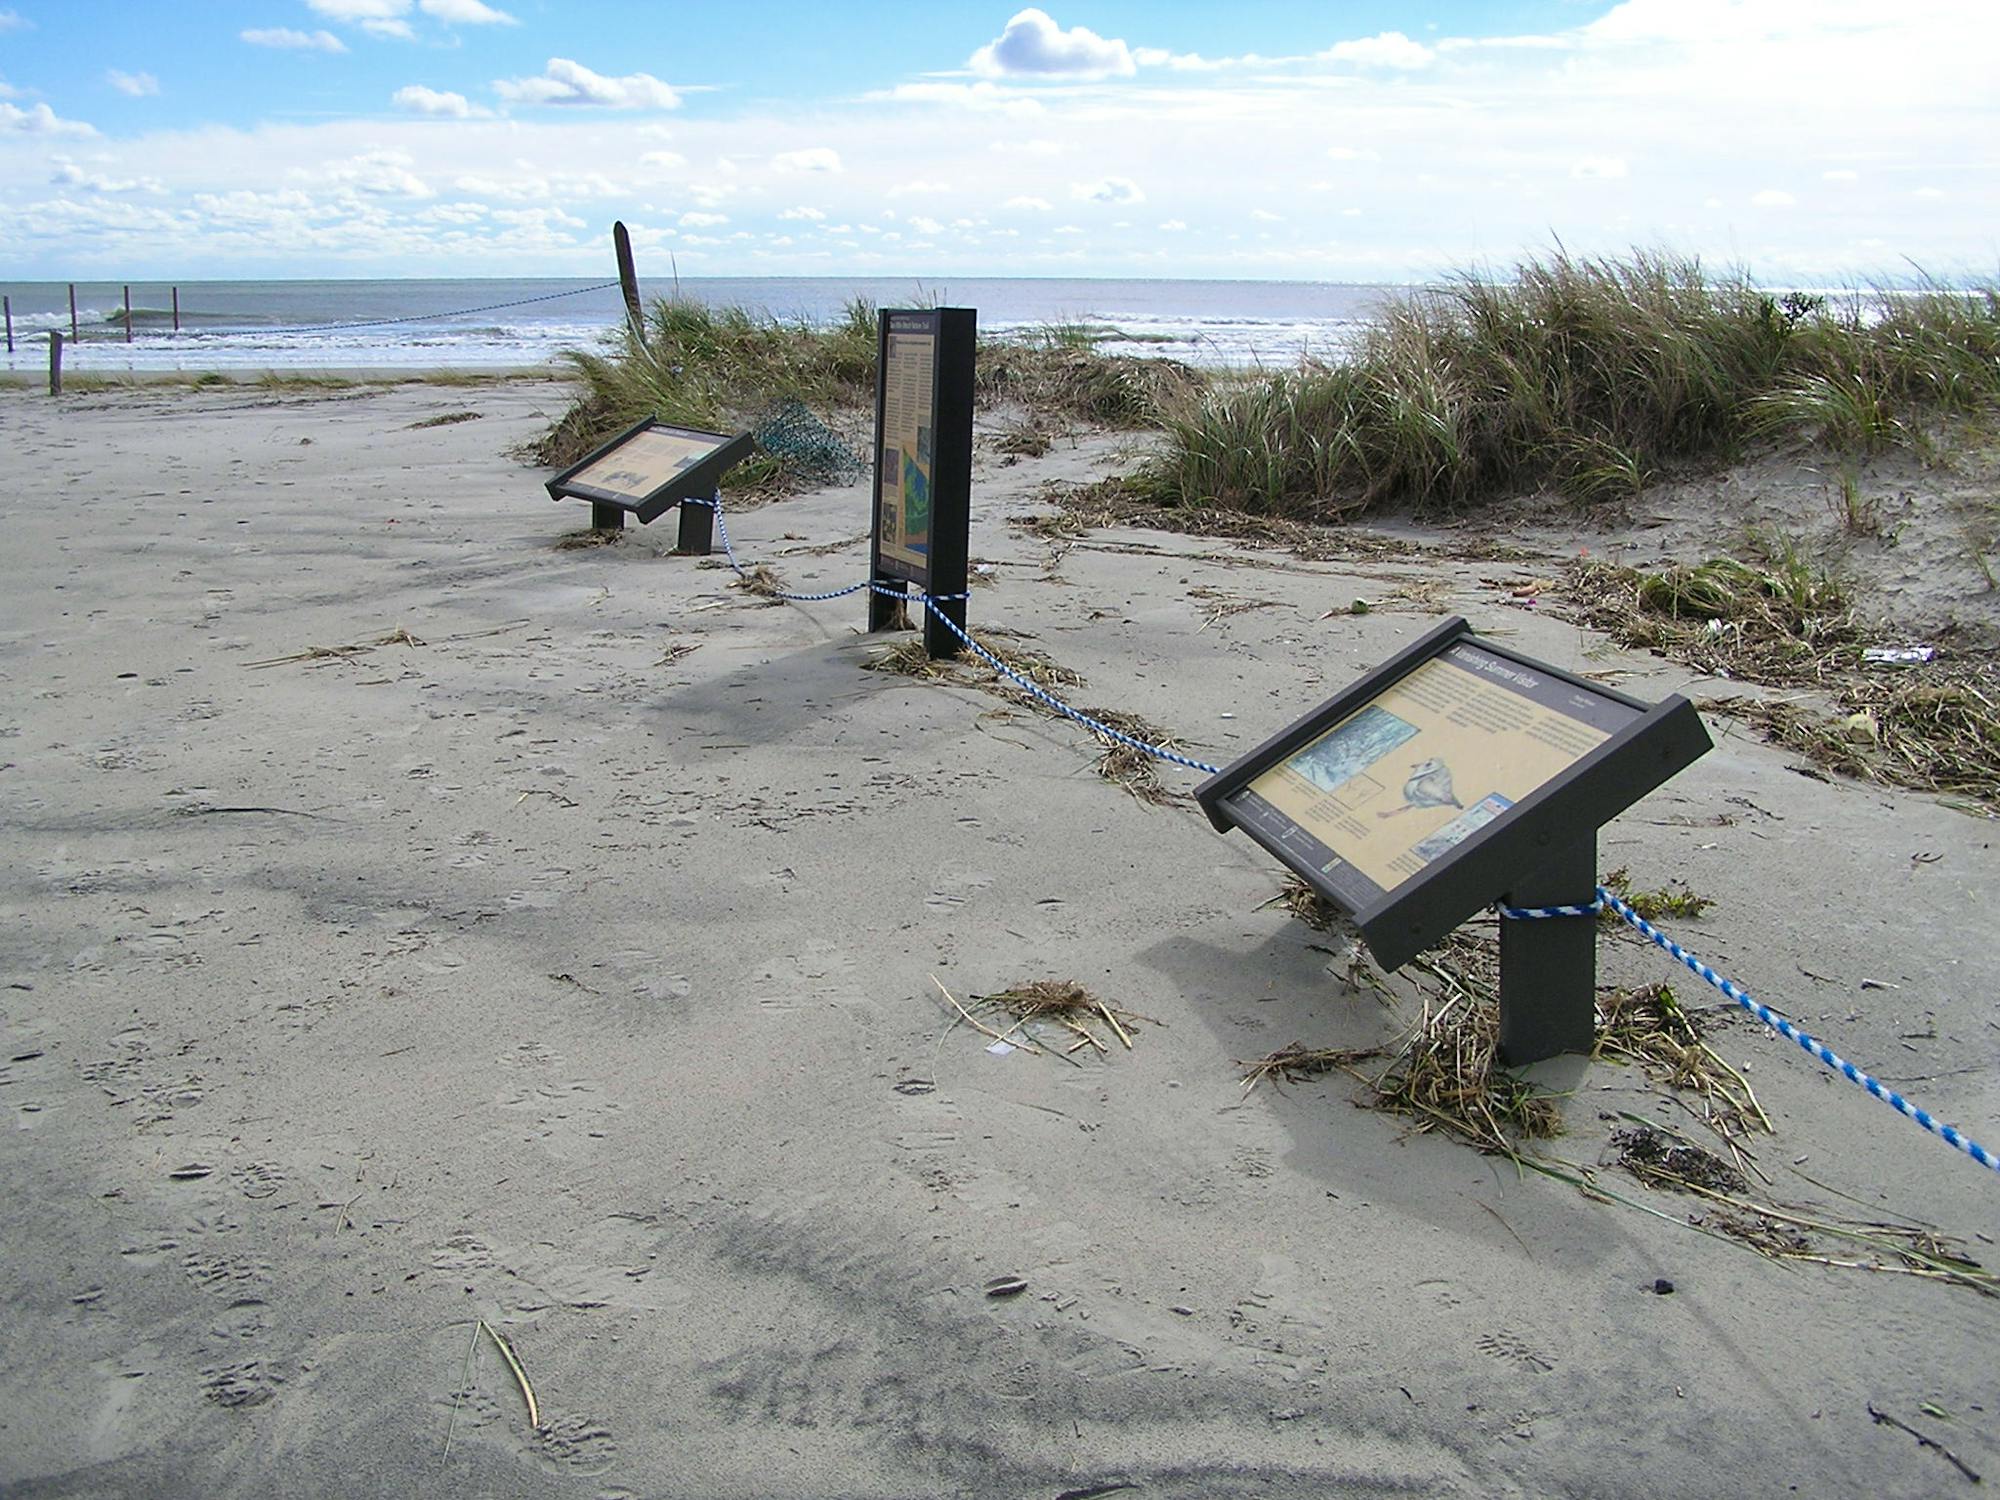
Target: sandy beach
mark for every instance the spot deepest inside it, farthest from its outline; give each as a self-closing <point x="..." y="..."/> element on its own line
<point x="414" y="927"/>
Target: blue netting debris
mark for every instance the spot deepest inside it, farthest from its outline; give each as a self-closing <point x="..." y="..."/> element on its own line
<point x="805" y="445"/>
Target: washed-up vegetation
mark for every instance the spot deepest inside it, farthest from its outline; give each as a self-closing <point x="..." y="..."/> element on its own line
<point x="714" y="368"/>
<point x="1592" y="376"/>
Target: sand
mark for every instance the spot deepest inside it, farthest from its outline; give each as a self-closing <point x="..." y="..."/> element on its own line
<point x="548" y="974"/>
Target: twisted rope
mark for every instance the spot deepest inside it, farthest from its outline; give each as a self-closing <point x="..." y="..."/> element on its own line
<point x="1032" y="688"/>
<point x="465" y="312"/>
<point x="1769" y="1017"/>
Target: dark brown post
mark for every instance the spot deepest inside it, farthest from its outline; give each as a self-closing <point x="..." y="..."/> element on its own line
<point x="72" y="312"/>
<point x="8" y="304"/>
<point x="177" y="309"/>
<point x="128" y="315"/>
<point x="55" y="361"/>
<point x="628" y="279"/>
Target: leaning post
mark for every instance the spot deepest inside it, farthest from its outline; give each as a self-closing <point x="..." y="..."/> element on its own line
<point x="55" y="361"/>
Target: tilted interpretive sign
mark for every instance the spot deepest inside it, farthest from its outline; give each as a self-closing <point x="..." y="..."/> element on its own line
<point x="649" y="467"/>
<point x="1455" y="775"/>
<point x="923" y="465"/>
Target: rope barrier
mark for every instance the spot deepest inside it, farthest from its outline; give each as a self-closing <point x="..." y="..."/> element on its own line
<point x="464" y="312"/>
<point x="1605" y="899"/>
<point x="927" y="599"/>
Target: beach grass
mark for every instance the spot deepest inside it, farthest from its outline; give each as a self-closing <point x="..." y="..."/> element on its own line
<point x="1591" y="376"/>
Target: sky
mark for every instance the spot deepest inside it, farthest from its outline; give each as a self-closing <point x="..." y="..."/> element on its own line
<point x="1810" y="141"/>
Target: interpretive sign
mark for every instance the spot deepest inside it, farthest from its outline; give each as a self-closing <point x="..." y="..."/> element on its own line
<point x="923" y="464"/>
<point x="1458" y="774"/>
<point x="649" y="467"/>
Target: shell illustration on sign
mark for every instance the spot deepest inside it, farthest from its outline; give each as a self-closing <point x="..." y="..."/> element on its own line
<point x="1429" y="786"/>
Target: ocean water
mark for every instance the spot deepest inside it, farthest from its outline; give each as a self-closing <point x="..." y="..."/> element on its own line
<point x="492" y="323"/>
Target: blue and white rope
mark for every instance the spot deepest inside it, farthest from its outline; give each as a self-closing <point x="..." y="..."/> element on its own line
<point x="1034" y="689"/>
<point x="1770" y="1018"/>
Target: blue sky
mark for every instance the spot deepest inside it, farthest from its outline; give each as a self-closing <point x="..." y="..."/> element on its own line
<point x="1375" y="140"/>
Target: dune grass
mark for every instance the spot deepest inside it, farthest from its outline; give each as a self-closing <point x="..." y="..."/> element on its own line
<point x="719" y="368"/>
<point x="1587" y="375"/>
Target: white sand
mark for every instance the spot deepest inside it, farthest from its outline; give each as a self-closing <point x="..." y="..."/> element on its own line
<point x="519" y="976"/>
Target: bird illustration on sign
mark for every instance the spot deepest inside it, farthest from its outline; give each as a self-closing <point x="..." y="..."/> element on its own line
<point x="1429" y="786"/>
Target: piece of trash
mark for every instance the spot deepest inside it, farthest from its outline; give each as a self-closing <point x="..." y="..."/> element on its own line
<point x="1715" y="627"/>
<point x="1898" y="656"/>
<point x="1000" y="1049"/>
<point x="1861" y="726"/>
<point x="1879" y="984"/>
<point x="1006" y="1286"/>
<point x="193" y="1171"/>
<point x="1663" y="1287"/>
<point x="1184" y="1311"/>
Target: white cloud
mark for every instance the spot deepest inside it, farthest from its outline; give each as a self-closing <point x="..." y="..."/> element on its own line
<point x="1352" y="153"/>
<point x="138" y="85"/>
<point x="1267" y="216"/>
<point x="1174" y="226"/>
<point x="1034" y="46"/>
<point x="1391" y="49"/>
<point x="925" y="225"/>
<point x="39" y="119"/>
<point x="921" y="187"/>
<point x="68" y="174"/>
<point x="14" y="21"/>
<point x="812" y="215"/>
<point x="1108" y="190"/>
<point x="570" y="83"/>
<point x="386" y="173"/>
<point x="1033" y="205"/>
<point x="419" y="100"/>
<point x="1840" y="174"/>
<point x="1067" y="229"/>
<point x="974" y="96"/>
<point x="810" y="159"/>
<point x="1928" y="192"/>
<point x="666" y="160"/>
<point x="1773" y="198"/>
<point x="1603" y="168"/>
<point x="701" y="220"/>
<point x="360" y="12"/>
<point x="299" y="41"/>
<point x="466" y="13"/>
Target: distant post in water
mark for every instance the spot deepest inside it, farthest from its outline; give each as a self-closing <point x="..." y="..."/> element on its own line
<point x="72" y="311"/>
<point x="923" y="468"/>
<point x="128" y="315"/>
<point x="8" y="304"/>
<point x="55" y="361"/>
<point x="177" y="309"/>
<point x="628" y="279"/>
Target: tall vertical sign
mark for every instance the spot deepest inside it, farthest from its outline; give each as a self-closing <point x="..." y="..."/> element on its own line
<point x="923" y="467"/>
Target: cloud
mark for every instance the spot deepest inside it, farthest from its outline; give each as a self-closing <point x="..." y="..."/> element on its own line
<point x="39" y="119"/>
<point x="360" y="12"/>
<point x="565" y="82"/>
<point x="1108" y="190"/>
<point x="973" y="96"/>
<point x="813" y="215"/>
<point x="466" y="13"/>
<point x="1841" y="174"/>
<point x="1390" y="49"/>
<point x="14" y="21"/>
<point x="1352" y="153"/>
<point x="667" y="160"/>
<point x="1603" y="168"/>
<point x="1174" y="226"/>
<point x="383" y="173"/>
<point x="1033" y="205"/>
<point x="1034" y="46"/>
<point x="419" y="100"/>
<point x="68" y="174"/>
<point x="702" y="220"/>
<point x="811" y="159"/>
<point x="918" y="187"/>
<point x="1267" y="216"/>
<point x="298" y="41"/>
<point x="138" y="85"/>
<point x="1773" y="198"/>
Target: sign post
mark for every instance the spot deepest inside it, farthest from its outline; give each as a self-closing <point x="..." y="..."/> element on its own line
<point x="1457" y="774"/>
<point x="923" y="467"/>
<point x="649" y="467"/>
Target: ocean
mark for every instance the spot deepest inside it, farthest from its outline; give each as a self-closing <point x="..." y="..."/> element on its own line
<point x="474" y="324"/>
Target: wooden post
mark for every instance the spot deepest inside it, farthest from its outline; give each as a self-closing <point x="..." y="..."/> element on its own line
<point x="8" y="304"/>
<point x="55" y="361"/>
<point x="72" y="312"/>
<point x="128" y="315"/>
<point x="628" y="279"/>
<point x="177" y="309"/>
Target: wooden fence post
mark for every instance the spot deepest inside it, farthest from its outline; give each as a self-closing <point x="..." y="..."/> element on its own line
<point x="177" y="309"/>
<point x="128" y="315"/>
<point x="55" y="361"/>
<point x="72" y="312"/>
<point x="628" y="279"/>
<point x="8" y="304"/>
